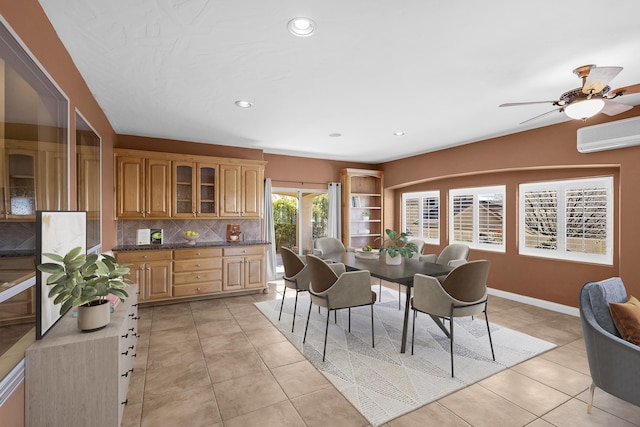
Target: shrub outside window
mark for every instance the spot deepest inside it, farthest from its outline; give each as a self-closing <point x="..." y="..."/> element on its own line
<point x="570" y="219"/>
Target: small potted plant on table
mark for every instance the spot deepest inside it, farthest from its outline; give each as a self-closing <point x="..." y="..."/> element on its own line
<point x="84" y="281"/>
<point x="397" y="245"/>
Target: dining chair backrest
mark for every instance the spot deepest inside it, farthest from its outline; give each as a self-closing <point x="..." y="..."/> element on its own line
<point x="467" y="282"/>
<point x="454" y="251"/>
<point x="419" y="243"/>
<point x="322" y="276"/>
<point x="329" y="245"/>
<point x="293" y="264"/>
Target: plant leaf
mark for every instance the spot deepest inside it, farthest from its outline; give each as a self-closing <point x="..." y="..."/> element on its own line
<point x="72" y="255"/>
<point x="50" y="267"/>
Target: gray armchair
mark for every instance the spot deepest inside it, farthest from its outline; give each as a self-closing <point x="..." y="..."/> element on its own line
<point x="325" y="247"/>
<point x="334" y="288"/>
<point x="452" y="255"/>
<point x="296" y="276"/>
<point x="462" y="293"/>
<point x="614" y="363"/>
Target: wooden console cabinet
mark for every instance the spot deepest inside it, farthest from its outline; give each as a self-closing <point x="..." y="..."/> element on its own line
<point x="80" y="379"/>
<point x="173" y="274"/>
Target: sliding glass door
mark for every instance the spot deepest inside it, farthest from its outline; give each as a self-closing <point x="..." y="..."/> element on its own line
<point x="300" y="217"/>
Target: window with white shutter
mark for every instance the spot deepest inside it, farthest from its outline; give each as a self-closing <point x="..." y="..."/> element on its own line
<point x="476" y="217"/>
<point x="421" y="215"/>
<point x="571" y="219"/>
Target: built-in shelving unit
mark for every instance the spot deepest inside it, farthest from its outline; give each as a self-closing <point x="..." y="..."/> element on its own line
<point x="362" y="207"/>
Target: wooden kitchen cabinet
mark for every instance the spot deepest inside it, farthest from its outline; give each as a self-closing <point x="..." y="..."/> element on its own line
<point x="197" y="271"/>
<point x="143" y="187"/>
<point x="194" y="190"/>
<point x="243" y="267"/>
<point x="151" y="270"/>
<point x="242" y="190"/>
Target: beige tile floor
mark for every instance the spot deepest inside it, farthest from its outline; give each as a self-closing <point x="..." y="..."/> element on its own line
<point x="220" y="362"/>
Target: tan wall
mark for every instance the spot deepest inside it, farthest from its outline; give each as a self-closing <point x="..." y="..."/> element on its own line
<point x="302" y="172"/>
<point x="542" y="154"/>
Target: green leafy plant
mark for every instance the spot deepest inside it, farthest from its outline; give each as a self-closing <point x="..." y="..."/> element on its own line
<point x="80" y="279"/>
<point x="397" y="244"/>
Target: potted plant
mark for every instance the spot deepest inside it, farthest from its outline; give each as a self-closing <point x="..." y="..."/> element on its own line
<point x="84" y="281"/>
<point x="366" y="215"/>
<point x="395" y="246"/>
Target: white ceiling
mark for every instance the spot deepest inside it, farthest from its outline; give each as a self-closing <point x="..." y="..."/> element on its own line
<point x="434" y="69"/>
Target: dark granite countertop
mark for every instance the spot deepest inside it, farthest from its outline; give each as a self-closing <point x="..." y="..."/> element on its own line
<point x="185" y="245"/>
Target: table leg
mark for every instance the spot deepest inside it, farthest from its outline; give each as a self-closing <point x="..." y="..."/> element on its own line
<point x="407" y="309"/>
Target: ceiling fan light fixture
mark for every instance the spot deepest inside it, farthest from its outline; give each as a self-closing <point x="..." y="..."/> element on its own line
<point x="301" y="27"/>
<point x="582" y="110"/>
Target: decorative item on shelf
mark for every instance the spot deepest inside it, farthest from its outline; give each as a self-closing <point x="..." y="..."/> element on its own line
<point x="366" y="215"/>
<point x="395" y="246"/>
<point x="84" y="281"/>
<point x="233" y="233"/>
<point x="191" y="236"/>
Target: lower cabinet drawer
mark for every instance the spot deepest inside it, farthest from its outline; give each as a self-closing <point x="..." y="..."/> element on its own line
<point x="197" y="289"/>
<point x="197" y="277"/>
<point x="196" y="264"/>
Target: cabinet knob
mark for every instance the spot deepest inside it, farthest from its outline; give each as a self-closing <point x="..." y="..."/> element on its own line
<point x="198" y="254"/>
<point x="198" y="265"/>
<point x="145" y="256"/>
<point x="197" y="277"/>
<point x="198" y="289"/>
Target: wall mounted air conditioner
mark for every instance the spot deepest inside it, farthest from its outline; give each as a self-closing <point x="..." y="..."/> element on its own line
<point x="609" y="136"/>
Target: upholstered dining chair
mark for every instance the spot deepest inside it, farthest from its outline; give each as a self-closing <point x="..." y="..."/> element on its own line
<point x="452" y="255"/>
<point x="296" y="277"/>
<point x="328" y="246"/>
<point x="334" y="288"/>
<point x="614" y="362"/>
<point x="462" y="293"/>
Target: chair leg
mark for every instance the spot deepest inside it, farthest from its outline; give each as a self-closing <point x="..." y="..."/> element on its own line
<point x="451" y="338"/>
<point x="380" y="289"/>
<point x="592" y="389"/>
<point x="413" y="330"/>
<point x="349" y="319"/>
<point x="307" y="327"/>
<point x="326" y="332"/>
<point x="489" y="332"/>
<point x="284" y="292"/>
<point x="295" y="307"/>
<point x="373" y="342"/>
<point x="399" y="298"/>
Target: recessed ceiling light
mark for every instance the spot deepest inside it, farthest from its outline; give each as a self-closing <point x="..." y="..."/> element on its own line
<point x="301" y="27"/>
<point x="335" y="135"/>
<point x="243" y="104"/>
<point x="398" y="133"/>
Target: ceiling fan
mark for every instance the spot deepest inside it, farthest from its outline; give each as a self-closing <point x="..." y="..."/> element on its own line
<point x="593" y="97"/>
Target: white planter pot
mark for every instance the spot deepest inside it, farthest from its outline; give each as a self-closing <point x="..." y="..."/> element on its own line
<point x="94" y="317"/>
<point x="396" y="260"/>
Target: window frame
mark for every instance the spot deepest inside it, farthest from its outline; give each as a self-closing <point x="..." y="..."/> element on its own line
<point x="421" y="196"/>
<point x="561" y="186"/>
<point x="475" y="192"/>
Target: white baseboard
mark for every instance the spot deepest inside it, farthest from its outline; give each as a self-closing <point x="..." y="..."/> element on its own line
<point x="9" y="383"/>
<point x="560" y="308"/>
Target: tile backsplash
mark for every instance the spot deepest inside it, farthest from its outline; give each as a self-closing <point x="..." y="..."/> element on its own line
<point x="209" y="230"/>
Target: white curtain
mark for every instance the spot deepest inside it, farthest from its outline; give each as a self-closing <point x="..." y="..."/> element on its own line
<point x="268" y="231"/>
<point x="334" y="224"/>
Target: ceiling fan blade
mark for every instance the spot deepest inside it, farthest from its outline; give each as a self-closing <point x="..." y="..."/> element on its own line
<point x="543" y="114"/>
<point x="514" y="104"/>
<point x="598" y="78"/>
<point x="611" y="108"/>
<point x="627" y="90"/>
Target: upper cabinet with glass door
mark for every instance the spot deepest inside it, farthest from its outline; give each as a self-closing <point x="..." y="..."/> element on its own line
<point x="194" y="189"/>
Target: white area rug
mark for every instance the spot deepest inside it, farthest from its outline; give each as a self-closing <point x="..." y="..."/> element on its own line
<point x="381" y="382"/>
